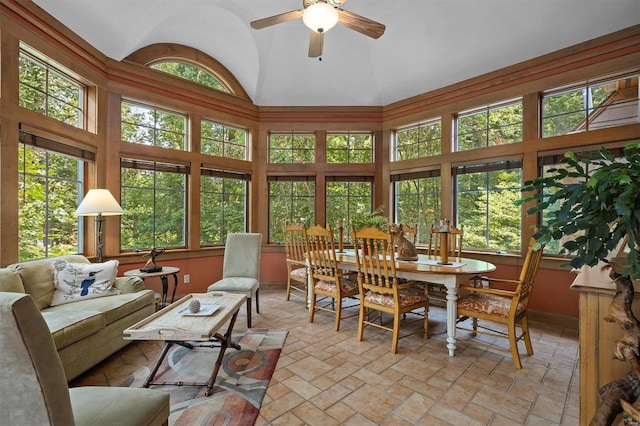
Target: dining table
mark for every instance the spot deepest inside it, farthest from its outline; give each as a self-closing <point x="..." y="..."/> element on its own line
<point x="429" y="268"/>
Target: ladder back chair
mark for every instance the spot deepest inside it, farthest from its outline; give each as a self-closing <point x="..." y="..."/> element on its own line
<point x="328" y="282"/>
<point x="438" y="292"/>
<point x="508" y="307"/>
<point x="381" y="291"/>
<point x="297" y="277"/>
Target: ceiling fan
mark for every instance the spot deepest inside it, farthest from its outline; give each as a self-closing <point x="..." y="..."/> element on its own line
<point x="320" y="16"/>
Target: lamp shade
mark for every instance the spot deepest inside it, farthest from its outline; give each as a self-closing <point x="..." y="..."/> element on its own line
<point x="99" y="202"/>
<point x="320" y="17"/>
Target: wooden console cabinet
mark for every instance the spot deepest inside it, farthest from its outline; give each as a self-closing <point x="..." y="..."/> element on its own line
<point x="597" y="337"/>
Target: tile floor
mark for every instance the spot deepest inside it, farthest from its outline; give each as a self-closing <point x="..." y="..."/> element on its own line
<point x="328" y="378"/>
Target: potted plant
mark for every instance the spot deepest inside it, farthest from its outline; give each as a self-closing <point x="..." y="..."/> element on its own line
<point x="592" y="204"/>
<point x="375" y="218"/>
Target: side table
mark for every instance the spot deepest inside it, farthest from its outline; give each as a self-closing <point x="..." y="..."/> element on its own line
<point x="164" y="274"/>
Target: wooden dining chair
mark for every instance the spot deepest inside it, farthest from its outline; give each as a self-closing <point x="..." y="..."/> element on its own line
<point x="328" y="282"/>
<point x="438" y="292"/>
<point x="297" y="276"/>
<point x="506" y="304"/>
<point x="380" y="289"/>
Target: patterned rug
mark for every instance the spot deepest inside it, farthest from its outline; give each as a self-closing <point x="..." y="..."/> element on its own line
<point x="240" y="386"/>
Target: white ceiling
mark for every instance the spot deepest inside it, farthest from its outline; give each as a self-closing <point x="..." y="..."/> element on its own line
<point x="428" y="44"/>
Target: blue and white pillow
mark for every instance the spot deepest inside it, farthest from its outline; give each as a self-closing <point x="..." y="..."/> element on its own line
<point x="81" y="281"/>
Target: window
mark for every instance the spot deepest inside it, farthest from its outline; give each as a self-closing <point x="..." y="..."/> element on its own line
<point x="491" y="125"/>
<point x="189" y="72"/>
<point x="149" y="125"/>
<point x="417" y="201"/>
<point x="346" y="199"/>
<point x="153" y="197"/>
<point x="580" y="109"/>
<point x="49" y="90"/>
<point x="419" y="141"/>
<point x="349" y="148"/>
<point x="223" y="206"/>
<point x="291" y="200"/>
<point x="50" y="185"/>
<point x="223" y="141"/>
<point x="485" y="195"/>
<point x="548" y="164"/>
<point x="292" y="148"/>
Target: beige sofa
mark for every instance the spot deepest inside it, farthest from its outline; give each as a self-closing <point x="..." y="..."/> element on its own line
<point x="84" y="332"/>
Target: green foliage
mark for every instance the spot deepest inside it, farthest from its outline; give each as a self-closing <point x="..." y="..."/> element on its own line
<point x="375" y="218"/>
<point x="189" y="72"/>
<point x="599" y="197"/>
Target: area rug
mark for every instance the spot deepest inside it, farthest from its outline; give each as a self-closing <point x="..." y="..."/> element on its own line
<point x="240" y="386"/>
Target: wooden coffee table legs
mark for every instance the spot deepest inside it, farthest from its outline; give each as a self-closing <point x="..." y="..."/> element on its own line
<point x="218" y="341"/>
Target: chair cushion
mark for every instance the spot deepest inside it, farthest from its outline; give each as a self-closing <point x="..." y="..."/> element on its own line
<point x="408" y="297"/>
<point x="299" y="273"/>
<point x="330" y="287"/>
<point x="102" y="405"/>
<point x="10" y="281"/>
<point x="490" y="304"/>
<point x="246" y="286"/>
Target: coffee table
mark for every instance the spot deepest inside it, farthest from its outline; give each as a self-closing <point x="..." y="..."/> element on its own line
<point x="176" y="325"/>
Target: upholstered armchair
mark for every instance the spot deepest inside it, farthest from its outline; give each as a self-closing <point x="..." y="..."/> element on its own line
<point x="34" y="387"/>
<point x="241" y="268"/>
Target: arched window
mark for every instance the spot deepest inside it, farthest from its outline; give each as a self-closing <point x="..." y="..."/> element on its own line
<point x="189" y="72"/>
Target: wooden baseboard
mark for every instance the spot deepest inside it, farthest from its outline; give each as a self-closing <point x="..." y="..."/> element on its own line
<point x="553" y="319"/>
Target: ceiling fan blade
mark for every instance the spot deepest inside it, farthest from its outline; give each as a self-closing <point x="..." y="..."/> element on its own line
<point x="277" y="19"/>
<point x="360" y="24"/>
<point x="315" y="44"/>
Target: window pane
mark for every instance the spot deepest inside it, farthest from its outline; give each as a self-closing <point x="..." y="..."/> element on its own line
<point x="485" y="206"/>
<point x="49" y="189"/>
<point x="49" y="91"/>
<point x="418" y="203"/>
<point x="189" y="72"/>
<point x="290" y="202"/>
<point x="148" y="125"/>
<point x="222" y="141"/>
<point x="354" y="148"/>
<point x="222" y="208"/>
<point x="590" y="107"/>
<point x="344" y="201"/>
<point x="296" y="148"/>
<point x="490" y="126"/>
<point x="154" y="204"/>
<point x="421" y="141"/>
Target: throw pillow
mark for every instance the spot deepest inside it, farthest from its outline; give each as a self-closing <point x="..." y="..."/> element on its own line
<point x="81" y="281"/>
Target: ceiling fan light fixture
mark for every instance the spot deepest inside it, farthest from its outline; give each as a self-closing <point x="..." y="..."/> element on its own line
<point x="320" y="17"/>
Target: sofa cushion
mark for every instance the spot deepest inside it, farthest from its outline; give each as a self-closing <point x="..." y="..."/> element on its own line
<point x="10" y="281"/>
<point x="37" y="277"/>
<point x="75" y="282"/>
<point x="70" y="325"/>
<point x="112" y="308"/>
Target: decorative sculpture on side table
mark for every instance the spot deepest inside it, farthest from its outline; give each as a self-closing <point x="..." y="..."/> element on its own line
<point x="151" y="266"/>
<point x="406" y="249"/>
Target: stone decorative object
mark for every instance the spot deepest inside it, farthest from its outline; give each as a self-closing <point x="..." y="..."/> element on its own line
<point x="194" y="306"/>
<point x="406" y="249"/>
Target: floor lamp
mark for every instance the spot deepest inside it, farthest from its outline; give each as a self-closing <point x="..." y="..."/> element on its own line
<point x="99" y="203"/>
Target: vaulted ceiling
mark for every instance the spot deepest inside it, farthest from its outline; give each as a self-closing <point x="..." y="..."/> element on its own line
<point x="428" y="44"/>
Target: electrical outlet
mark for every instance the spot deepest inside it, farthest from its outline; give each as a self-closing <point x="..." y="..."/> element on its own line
<point x="187" y="278"/>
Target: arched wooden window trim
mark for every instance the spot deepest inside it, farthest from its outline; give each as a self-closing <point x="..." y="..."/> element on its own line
<point x="163" y="52"/>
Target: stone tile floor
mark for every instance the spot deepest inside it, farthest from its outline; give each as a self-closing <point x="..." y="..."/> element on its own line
<point x="329" y="378"/>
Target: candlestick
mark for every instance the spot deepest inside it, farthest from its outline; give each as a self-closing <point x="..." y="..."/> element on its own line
<point x="340" y="235"/>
